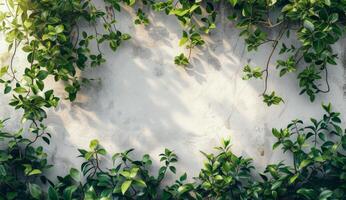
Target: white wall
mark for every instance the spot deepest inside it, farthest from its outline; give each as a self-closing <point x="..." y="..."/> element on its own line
<point x="142" y="100"/>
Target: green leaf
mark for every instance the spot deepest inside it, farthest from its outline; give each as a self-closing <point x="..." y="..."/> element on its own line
<point x="125" y="37"/>
<point x="20" y="90"/>
<point x="183" y="40"/>
<point x="272" y="99"/>
<point x="131" y="2"/>
<point x="304" y="163"/>
<point x="35" y="172"/>
<point x="325" y="195"/>
<point x="172" y="168"/>
<point x="183" y="177"/>
<point x="102" y="152"/>
<point x="185" y="188"/>
<point x="3" y="70"/>
<point x="88" y="155"/>
<point x="2" y="170"/>
<point x="327" y="2"/>
<point x="272" y="2"/>
<point x="276" y="144"/>
<point x="74" y="173"/>
<point x="307" y="193"/>
<point x="233" y="2"/>
<point x="93" y="144"/>
<point x="319" y="159"/>
<point x="41" y="75"/>
<point x="133" y="172"/>
<point x="334" y="18"/>
<point x="293" y="179"/>
<point x="35" y="190"/>
<point x="276" y="185"/>
<point x="52" y="194"/>
<point x="125" y="186"/>
<point x="309" y="25"/>
<point x="90" y="194"/>
<point x="7" y="89"/>
<point x="27" y="24"/>
<point x="68" y="192"/>
<point x="140" y="182"/>
<point x="193" y="8"/>
<point x="59" y="29"/>
<point x="181" y="60"/>
<point x="179" y="12"/>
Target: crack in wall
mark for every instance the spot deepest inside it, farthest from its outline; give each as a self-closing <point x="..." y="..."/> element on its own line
<point x="343" y="62"/>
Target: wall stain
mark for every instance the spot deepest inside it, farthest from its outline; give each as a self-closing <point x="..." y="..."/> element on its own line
<point x="343" y="62"/>
<point x="158" y="72"/>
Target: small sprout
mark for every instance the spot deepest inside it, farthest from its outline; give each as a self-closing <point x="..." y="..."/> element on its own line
<point x="272" y="99"/>
<point x="181" y="60"/>
<point x="142" y="18"/>
<point x="286" y="66"/>
<point x="252" y="72"/>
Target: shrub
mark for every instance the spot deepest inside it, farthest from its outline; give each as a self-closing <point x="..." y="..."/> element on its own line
<point x="318" y="170"/>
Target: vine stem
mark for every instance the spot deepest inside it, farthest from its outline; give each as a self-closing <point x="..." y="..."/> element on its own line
<point x="327" y="82"/>
<point x="190" y="51"/>
<point x="36" y="137"/>
<point x="98" y="164"/>
<point x="97" y="44"/>
<point x="266" y="70"/>
<point x="77" y="36"/>
<point x="9" y="9"/>
<point x="12" y="60"/>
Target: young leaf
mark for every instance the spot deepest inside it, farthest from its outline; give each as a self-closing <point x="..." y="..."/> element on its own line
<point x="125" y="186"/>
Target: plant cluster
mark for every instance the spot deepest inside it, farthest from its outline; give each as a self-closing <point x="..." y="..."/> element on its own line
<point x="317" y="24"/>
<point x="318" y="170"/>
<point x="49" y="32"/>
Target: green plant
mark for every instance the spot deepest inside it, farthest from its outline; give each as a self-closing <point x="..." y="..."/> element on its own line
<point x="272" y="99"/>
<point x="223" y="177"/>
<point x="49" y="33"/>
<point x="141" y="18"/>
<point x="317" y="172"/>
<point x="181" y="60"/>
<point x="22" y="163"/>
<point x="22" y="168"/>
<point x="317" y="24"/>
<point x="255" y="72"/>
<point x="126" y="179"/>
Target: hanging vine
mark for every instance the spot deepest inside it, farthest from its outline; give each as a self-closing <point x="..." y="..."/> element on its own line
<point x="49" y="33"/>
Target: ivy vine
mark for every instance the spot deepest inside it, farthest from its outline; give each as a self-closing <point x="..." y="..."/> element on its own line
<point x="57" y="48"/>
<point x="49" y="32"/>
<point x="317" y="24"/>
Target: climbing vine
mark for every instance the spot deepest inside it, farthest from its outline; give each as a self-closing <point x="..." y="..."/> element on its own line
<point x="316" y="24"/>
<point x="57" y="48"/>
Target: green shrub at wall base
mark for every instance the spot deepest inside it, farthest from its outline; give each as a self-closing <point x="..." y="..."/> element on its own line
<point x="318" y="170"/>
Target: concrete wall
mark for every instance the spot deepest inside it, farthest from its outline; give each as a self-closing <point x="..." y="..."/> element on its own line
<point x="142" y="100"/>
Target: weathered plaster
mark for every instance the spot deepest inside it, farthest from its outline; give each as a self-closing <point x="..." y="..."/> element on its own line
<point x="141" y="100"/>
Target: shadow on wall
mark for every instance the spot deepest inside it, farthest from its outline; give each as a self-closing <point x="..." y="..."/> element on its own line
<point x="143" y="101"/>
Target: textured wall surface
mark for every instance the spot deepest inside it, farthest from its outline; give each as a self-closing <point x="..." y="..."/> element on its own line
<point x="141" y="100"/>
